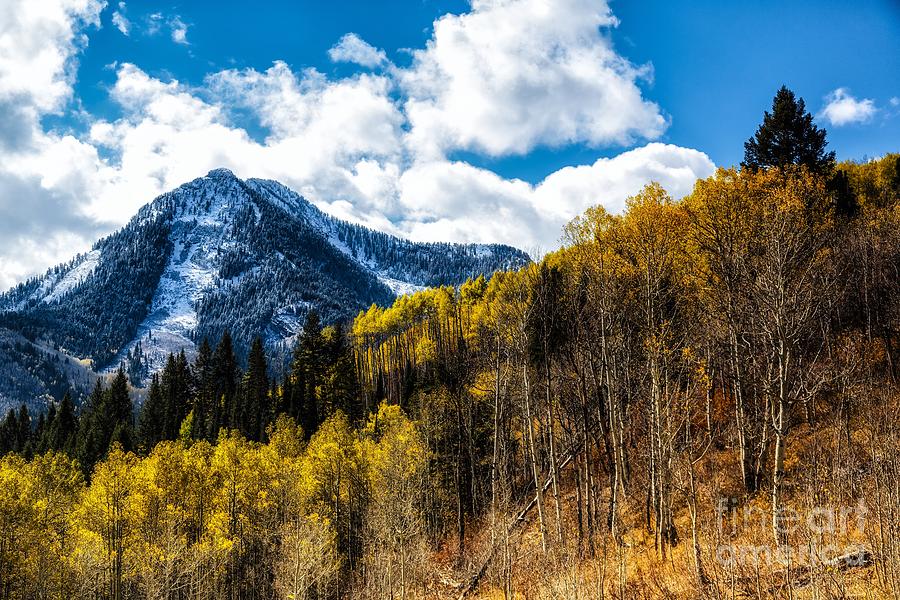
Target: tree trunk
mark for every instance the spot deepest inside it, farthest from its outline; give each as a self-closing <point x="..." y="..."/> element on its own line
<point x="554" y="472"/>
<point x="529" y="429"/>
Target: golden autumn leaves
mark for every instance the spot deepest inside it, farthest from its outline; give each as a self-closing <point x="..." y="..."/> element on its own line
<point x="201" y="518"/>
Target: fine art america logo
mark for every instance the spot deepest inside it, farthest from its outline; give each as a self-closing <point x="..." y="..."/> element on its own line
<point x="809" y="529"/>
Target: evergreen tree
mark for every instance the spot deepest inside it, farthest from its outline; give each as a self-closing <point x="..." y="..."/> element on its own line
<point x="311" y="350"/>
<point x="63" y="427"/>
<point x="255" y="391"/>
<point x="845" y="202"/>
<point x="123" y="435"/>
<point x="151" y="424"/>
<point x="9" y="433"/>
<point x="286" y="395"/>
<point x="35" y="444"/>
<point x="44" y="438"/>
<point x="225" y="372"/>
<point x="136" y="364"/>
<point x="117" y="413"/>
<point x="176" y="391"/>
<point x="204" y="390"/>
<point x="108" y="417"/>
<point x="170" y="400"/>
<point x="23" y="437"/>
<point x="295" y="392"/>
<point x="788" y="136"/>
<point x="274" y="402"/>
<point x="185" y="380"/>
<point x="340" y="388"/>
<point x="89" y="444"/>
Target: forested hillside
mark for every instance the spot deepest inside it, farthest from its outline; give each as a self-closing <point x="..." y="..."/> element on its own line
<point x="696" y="398"/>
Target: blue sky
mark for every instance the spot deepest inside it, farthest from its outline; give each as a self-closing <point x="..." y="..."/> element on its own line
<point x="495" y="120"/>
<point x="716" y="65"/>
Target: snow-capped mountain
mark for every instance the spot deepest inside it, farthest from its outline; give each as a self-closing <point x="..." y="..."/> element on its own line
<point x="250" y="256"/>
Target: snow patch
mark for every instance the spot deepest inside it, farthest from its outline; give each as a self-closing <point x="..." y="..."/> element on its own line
<point x="172" y="318"/>
<point x="400" y="288"/>
<point x="52" y="290"/>
<point x="200" y="232"/>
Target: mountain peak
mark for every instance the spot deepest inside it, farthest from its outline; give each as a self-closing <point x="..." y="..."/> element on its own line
<point x="252" y="257"/>
<point x="221" y="173"/>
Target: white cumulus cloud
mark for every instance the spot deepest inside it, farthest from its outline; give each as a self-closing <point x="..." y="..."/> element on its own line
<point x="457" y="201"/>
<point x="841" y="108"/>
<point x="353" y="49"/>
<point x="340" y="143"/>
<point x="179" y="30"/>
<point x="45" y="177"/>
<point x="514" y="74"/>
<point x="38" y="44"/>
<point x="355" y="146"/>
<point x="120" y="21"/>
<point x="567" y="192"/>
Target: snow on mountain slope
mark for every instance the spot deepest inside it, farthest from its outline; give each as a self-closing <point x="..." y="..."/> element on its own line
<point x="400" y="288"/>
<point x="201" y="235"/>
<point x="172" y="317"/>
<point x="395" y="261"/>
<point x="218" y="253"/>
<point x="58" y="281"/>
<point x="73" y="278"/>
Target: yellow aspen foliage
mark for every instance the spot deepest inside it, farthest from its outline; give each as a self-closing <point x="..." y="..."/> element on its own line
<point x="108" y="518"/>
<point x="876" y="183"/>
<point x="331" y="470"/>
<point x="233" y="463"/>
<point x="396" y="459"/>
<point x="426" y="350"/>
<point x="308" y="559"/>
<point x="15" y="518"/>
<point x="472" y="291"/>
<point x="283" y="459"/>
<point x="56" y="486"/>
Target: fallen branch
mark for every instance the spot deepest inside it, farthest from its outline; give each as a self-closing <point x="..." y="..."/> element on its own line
<point x="802" y="576"/>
